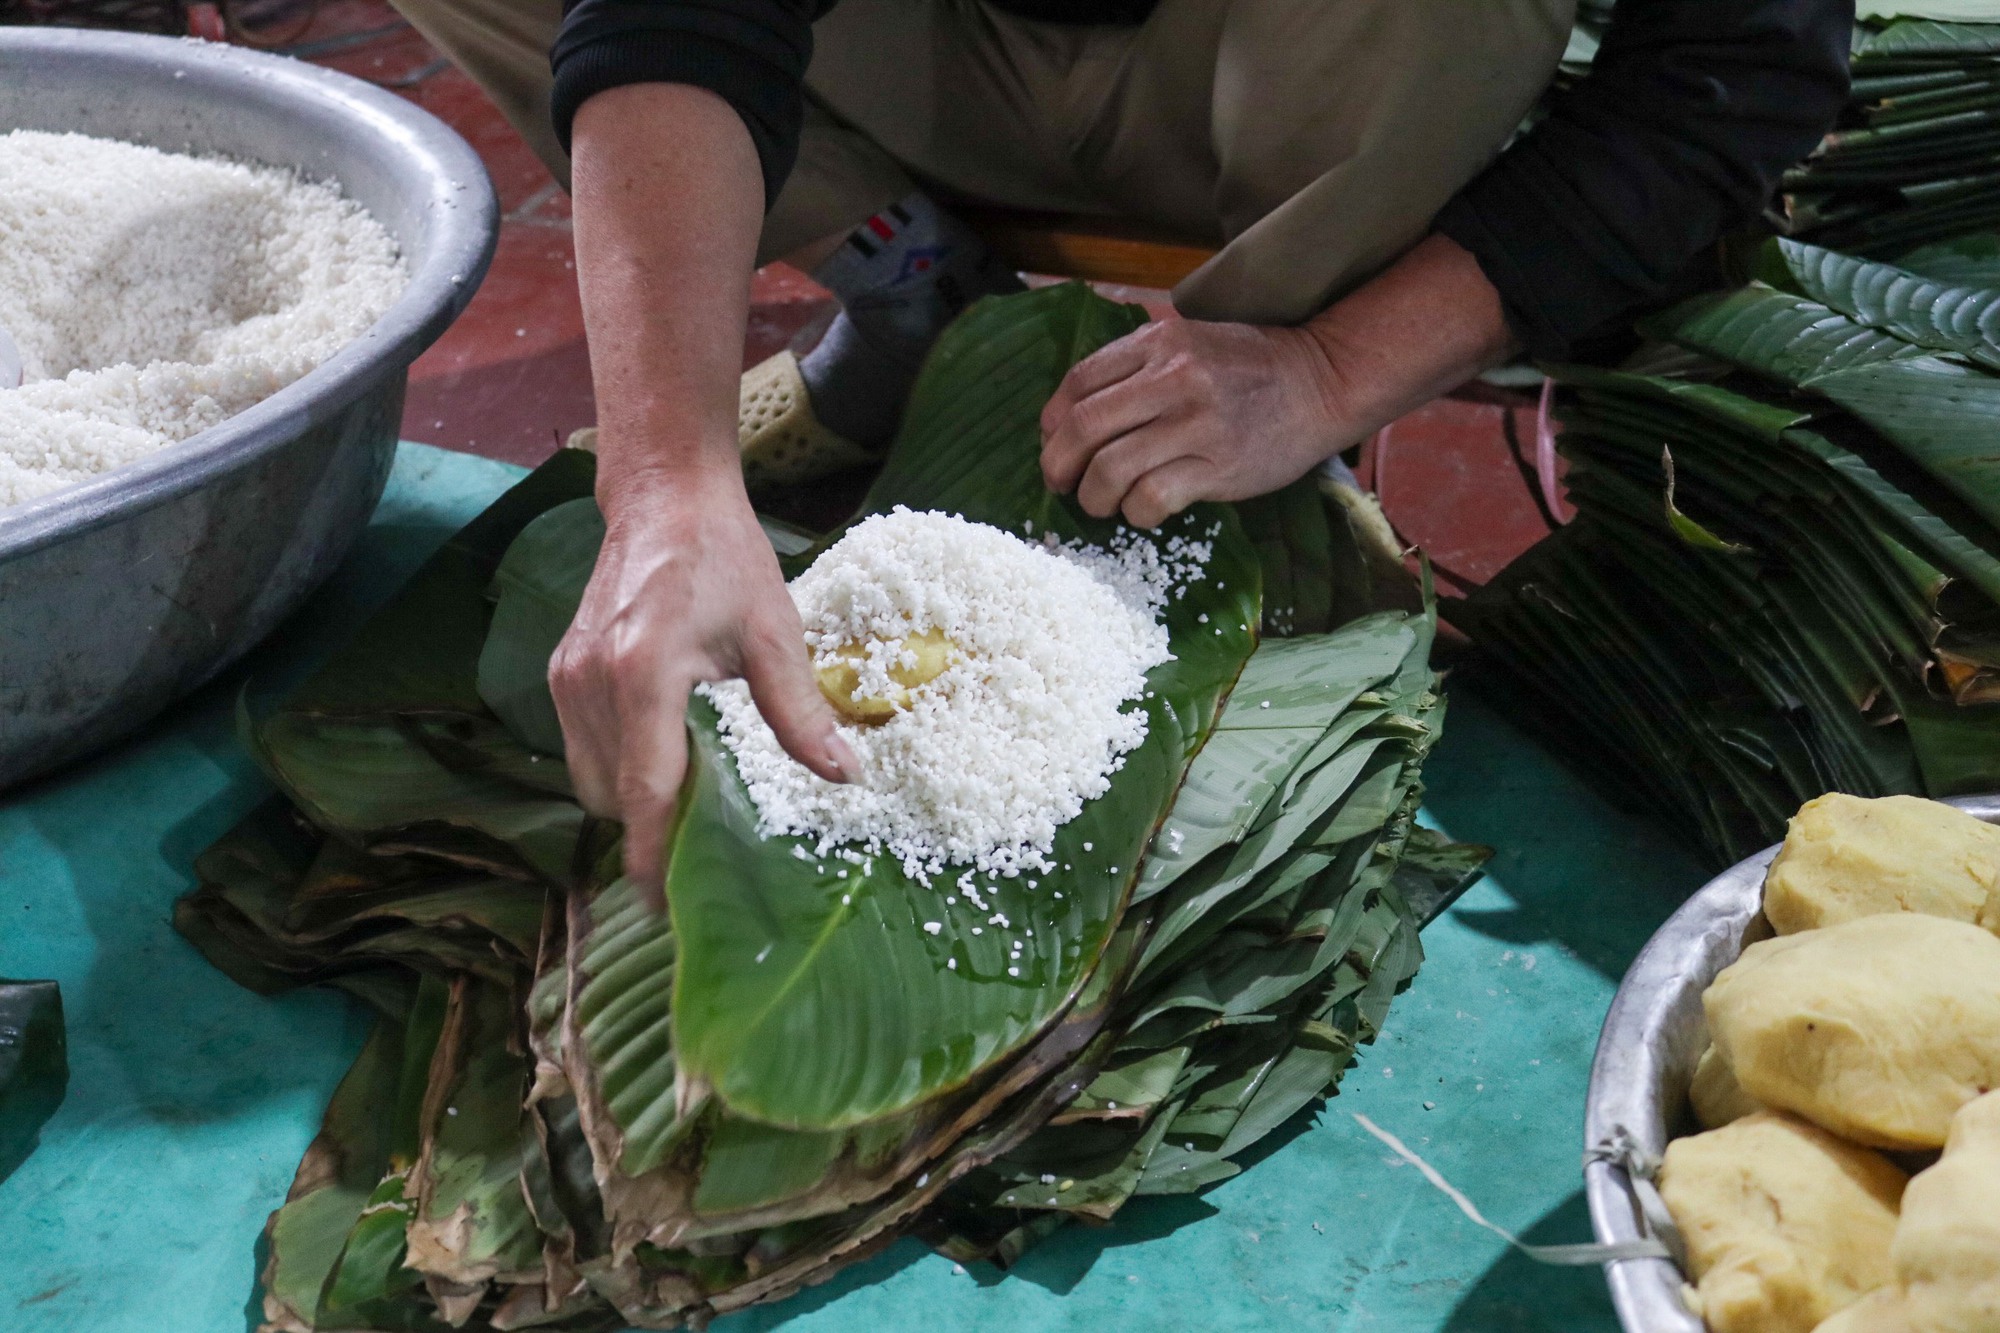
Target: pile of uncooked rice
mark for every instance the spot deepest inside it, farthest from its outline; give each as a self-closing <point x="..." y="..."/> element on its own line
<point x="154" y="295"/>
<point x="983" y="763"/>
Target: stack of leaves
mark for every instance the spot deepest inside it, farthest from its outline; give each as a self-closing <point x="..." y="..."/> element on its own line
<point x="578" y="1113"/>
<point x="1784" y="575"/>
<point x="1916" y="156"/>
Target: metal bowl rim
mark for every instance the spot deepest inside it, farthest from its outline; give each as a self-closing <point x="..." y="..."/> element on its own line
<point x="442" y="280"/>
<point x="1645" y="1290"/>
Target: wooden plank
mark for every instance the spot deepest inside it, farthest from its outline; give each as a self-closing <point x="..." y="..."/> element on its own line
<point x="1094" y="249"/>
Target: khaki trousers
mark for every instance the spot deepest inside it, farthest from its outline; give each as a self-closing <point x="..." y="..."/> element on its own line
<point x="1311" y="140"/>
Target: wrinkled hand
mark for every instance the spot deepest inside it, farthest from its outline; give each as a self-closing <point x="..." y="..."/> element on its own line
<point x="1185" y="410"/>
<point x="686" y="590"/>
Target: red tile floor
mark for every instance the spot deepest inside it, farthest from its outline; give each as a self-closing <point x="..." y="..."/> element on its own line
<point x="511" y="379"/>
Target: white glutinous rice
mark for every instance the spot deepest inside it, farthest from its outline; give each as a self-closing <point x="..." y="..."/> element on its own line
<point x="154" y="295"/>
<point x="982" y="764"/>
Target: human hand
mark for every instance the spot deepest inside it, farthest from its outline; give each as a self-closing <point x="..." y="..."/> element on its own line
<point x="669" y="198"/>
<point x="686" y="590"/>
<point x="1185" y="410"/>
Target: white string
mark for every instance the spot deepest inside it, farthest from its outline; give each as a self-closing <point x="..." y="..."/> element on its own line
<point x="1568" y="1255"/>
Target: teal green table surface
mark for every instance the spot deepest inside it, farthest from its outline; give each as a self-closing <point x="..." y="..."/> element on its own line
<point x="191" y="1100"/>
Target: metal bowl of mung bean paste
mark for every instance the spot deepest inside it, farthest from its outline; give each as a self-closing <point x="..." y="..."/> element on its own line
<point x="1646" y="1054"/>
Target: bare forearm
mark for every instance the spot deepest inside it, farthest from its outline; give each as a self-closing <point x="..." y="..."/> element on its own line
<point x="1424" y="326"/>
<point x="669" y="199"/>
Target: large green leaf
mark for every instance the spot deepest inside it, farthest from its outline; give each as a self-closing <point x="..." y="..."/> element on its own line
<point x="1788" y="337"/>
<point x="539" y="585"/>
<point x="970" y="441"/>
<point x="371" y="780"/>
<point x="471" y="1222"/>
<point x="699" y="1173"/>
<point x="1944" y="417"/>
<point x="1957" y="11"/>
<point x="1299" y="549"/>
<point x="421" y="651"/>
<point x="1642" y="412"/>
<point x="789" y="965"/>
<point x="1717" y="403"/>
<point x="1941" y="415"/>
<point x="1435" y="872"/>
<point x="337" y="1243"/>
<point x="1919" y="310"/>
<point x="1926" y="39"/>
<point x="1282" y="704"/>
<point x="1972" y="261"/>
<point x="1953" y="536"/>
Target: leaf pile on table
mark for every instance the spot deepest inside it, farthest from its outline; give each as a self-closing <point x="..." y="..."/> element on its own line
<point x="1784" y="574"/>
<point x="1916" y="156"/>
<point x="579" y="1113"/>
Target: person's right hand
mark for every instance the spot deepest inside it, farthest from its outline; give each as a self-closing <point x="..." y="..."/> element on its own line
<point x="686" y="589"/>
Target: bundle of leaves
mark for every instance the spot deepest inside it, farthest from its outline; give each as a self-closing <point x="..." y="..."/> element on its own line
<point x="1916" y="156"/>
<point x="1784" y="574"/>
<point x="579" y="1113"/>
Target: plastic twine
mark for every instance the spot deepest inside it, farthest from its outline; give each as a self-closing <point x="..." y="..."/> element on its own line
<point x="1569" y="1256"/>
<point x="1545" y="451"/>
<point x="1642" y="1170"/>
<point x="1378" y="455"/>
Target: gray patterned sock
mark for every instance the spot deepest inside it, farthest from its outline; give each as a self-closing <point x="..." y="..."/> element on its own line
<point x="901" y="277"/>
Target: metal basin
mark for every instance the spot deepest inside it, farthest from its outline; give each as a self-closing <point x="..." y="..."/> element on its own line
<point x="122" y="594"/>
<point x="1646" y="1055"/>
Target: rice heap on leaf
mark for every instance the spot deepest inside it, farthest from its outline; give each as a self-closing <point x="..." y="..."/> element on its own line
<point x="1784" y="574"/>
<point x="577" y="1113"/>
<point x="987" y="674"/>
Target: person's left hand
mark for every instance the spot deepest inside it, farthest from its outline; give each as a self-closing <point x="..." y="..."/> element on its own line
<point x="1185" y="410"/>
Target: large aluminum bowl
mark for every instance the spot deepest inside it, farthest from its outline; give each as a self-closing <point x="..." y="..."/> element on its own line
<point x="120" y="595"/>
<point x="1645" y="1060"/>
